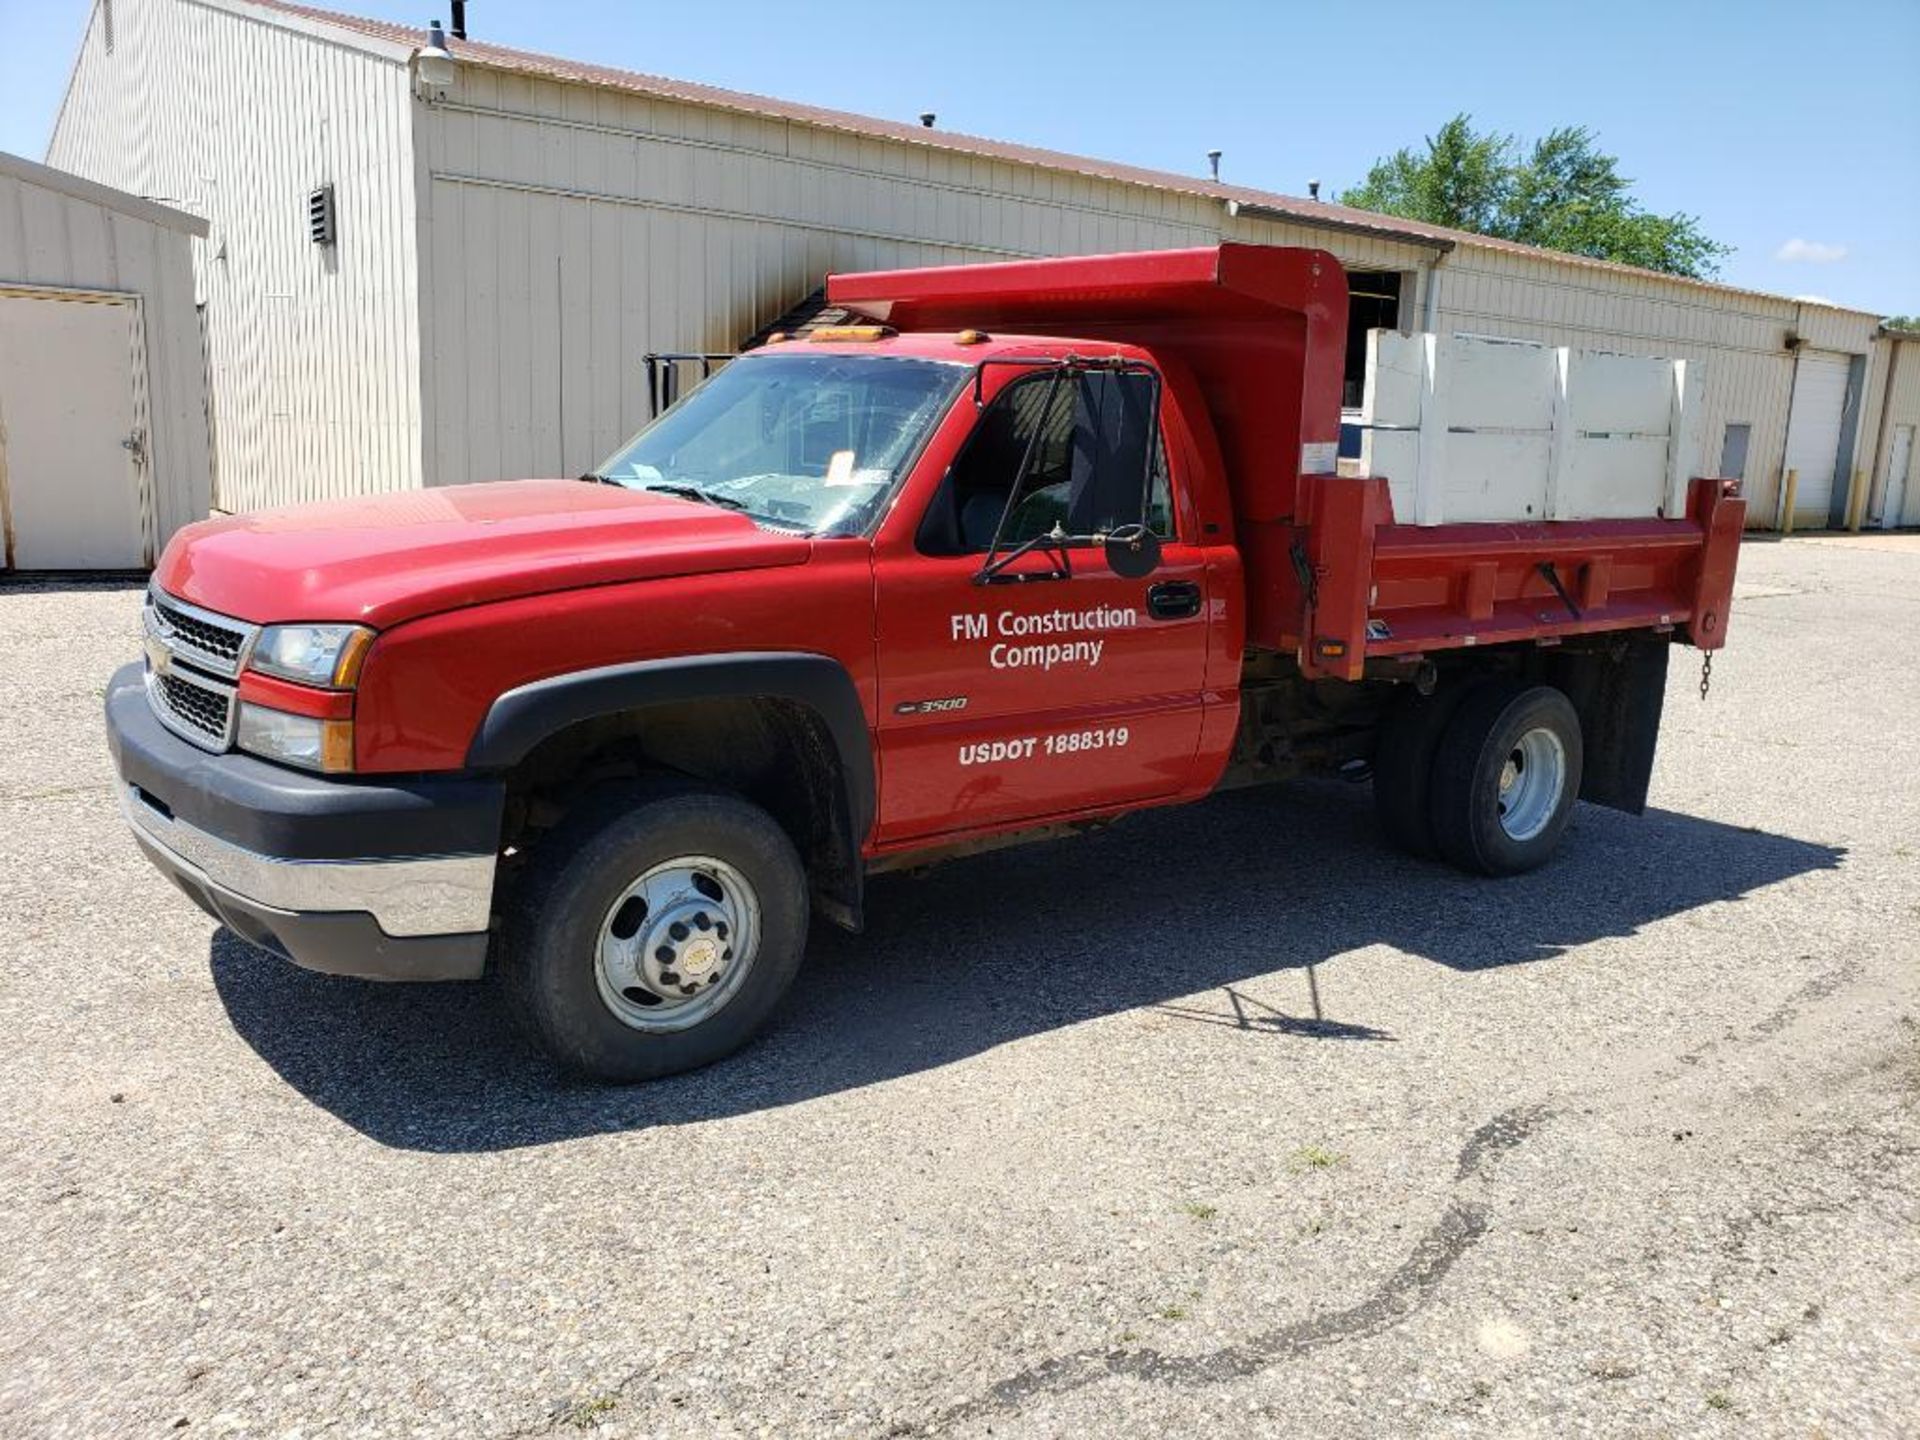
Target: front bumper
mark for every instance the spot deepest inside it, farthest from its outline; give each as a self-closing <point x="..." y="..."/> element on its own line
<point x="383" y="880"/>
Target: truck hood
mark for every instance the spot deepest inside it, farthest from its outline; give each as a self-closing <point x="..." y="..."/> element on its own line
<point x="383" y="559"/>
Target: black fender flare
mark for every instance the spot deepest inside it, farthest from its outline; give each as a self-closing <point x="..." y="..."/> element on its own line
<point x="523" y="717"/>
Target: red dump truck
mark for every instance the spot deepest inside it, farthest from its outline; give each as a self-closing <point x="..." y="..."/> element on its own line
<point x="1027" y="547"/>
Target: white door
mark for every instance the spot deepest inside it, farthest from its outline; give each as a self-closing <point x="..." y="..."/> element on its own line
<point x="1813" y="432"/>
<point x="1899" y="464"/>
<point x="71" y="453"/>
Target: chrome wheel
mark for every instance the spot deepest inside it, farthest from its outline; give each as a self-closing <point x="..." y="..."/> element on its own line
<point x="1531" y="783"/>
<point x="677" y="944"/>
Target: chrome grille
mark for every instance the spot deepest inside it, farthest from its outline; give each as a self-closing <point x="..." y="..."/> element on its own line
<point x="192" y="654"/>
<point x="204" y="710"/>
<point x="213" y="642"/>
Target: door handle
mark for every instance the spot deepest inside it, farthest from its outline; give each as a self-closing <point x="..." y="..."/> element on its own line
<point x="1173" y="599"/>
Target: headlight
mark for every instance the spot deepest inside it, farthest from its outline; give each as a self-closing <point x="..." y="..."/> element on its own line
<point x="303" y="740"/>
<point x="328" y="655"/>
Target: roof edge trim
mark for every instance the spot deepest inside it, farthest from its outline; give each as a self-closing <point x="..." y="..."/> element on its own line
<point x="76" y="187"/>
<point x="313" y="27"/>
<point x="1254" y="211"/>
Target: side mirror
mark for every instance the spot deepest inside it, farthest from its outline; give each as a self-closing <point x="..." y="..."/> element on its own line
<point x="1133" y="552"/>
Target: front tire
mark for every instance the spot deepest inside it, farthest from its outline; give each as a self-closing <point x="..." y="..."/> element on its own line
<point x="655" y="931"/>
<point x="1505" y="778"/>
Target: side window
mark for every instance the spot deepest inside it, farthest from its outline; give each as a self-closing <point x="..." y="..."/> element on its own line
<point x="1088" y="434"/>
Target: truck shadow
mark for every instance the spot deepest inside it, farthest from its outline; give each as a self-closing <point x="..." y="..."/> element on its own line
<point x="1154" y="913"/>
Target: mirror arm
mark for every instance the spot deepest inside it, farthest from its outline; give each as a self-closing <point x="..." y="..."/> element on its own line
<point x="1056" y="540"/>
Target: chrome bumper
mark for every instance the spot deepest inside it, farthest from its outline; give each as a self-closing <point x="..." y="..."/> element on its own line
<point x="429" y="895"/>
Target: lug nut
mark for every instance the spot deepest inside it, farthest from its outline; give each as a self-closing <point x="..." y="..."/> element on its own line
<point x="664" y="954"/>
<point x="667" y="977"/>
<point x="688" y="989"/>
<point x="721" y="929"/>
<point x="702" y="921"/>
<point x="727" y="954"/>
<point x="677" y="930"/>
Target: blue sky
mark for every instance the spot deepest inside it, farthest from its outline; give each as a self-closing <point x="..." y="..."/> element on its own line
<point x="1792" y="130"/>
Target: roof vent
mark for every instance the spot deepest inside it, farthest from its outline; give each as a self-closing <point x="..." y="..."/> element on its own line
<point x="1313" y="189"/>
<point x="927" y="117"/>
<point x="320" y="226"/>
<point x="1213" y="162"/>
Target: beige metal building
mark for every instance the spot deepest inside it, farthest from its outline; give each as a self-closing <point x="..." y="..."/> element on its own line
<point x="409" y="283"/>
<point x="103" y="433"/>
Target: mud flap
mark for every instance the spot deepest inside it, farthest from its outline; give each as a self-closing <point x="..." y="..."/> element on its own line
<point x="1619" y="701"/>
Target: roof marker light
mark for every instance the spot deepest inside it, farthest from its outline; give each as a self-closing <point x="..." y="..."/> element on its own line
<point x="835" y="334"/>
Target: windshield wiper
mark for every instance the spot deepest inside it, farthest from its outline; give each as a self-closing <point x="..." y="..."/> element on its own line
<point x="694" y="492"/>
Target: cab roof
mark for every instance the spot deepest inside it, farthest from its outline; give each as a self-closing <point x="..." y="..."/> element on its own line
<point x="947" y="345"/>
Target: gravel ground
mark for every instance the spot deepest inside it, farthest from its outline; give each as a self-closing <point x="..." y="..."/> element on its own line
<point x="1226" y="1122"/>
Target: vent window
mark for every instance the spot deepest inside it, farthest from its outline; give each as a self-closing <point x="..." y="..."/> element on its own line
<point x="320" y="224"/>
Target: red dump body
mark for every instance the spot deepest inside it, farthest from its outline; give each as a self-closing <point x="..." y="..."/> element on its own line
<point x="1260" y="334"/>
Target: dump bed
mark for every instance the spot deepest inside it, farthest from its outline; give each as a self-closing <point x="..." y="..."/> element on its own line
<point x="1567" y="528"/>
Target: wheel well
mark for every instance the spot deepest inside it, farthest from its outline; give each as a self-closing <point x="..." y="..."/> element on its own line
<point x="777" y="753"/>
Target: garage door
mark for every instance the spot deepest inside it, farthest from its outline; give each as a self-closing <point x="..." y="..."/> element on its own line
<point x="71" y="452"/>
<point x="1813" y="431"/>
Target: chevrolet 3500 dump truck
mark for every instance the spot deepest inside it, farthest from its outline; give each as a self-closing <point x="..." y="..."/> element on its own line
<point x="1041" y="544"/>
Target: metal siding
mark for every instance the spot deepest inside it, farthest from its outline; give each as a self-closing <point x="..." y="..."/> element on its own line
<point x="571" y="232"/>
<point x="743" y="213"/>
<point x="313" y="352"/>
<point x="51" y="239"/>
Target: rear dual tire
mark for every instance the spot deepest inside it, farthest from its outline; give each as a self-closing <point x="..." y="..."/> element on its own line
<point x="1485" y="779"/>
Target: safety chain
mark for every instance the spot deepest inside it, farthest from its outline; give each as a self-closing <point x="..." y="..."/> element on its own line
<point x="1706" y="674"/>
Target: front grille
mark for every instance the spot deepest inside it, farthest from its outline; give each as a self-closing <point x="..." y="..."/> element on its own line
<point x="191" y="654"/>
<point x="197" y="709"/>
<point x="202" y="635"/>
<point x="210" y="641"/>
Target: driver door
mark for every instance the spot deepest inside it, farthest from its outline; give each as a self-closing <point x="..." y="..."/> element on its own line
<point x="1063" y="687"/>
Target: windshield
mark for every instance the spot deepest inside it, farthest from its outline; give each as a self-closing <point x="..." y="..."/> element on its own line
<point x="806" y="442"/>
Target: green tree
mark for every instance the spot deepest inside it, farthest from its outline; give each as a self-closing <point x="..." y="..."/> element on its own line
<point x="1563" y="193"/>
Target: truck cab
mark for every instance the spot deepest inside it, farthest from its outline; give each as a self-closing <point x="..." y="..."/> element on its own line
<point x="875" y="595"/>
